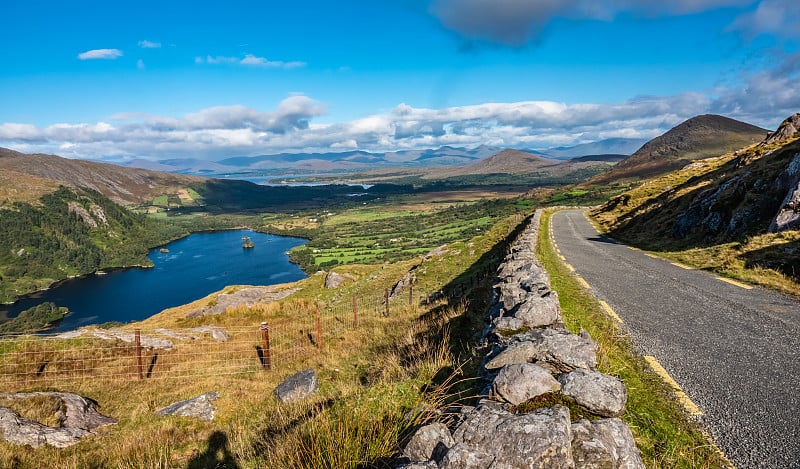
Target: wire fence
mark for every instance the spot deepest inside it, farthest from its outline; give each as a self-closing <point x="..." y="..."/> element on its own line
<point x="298" y="329"/>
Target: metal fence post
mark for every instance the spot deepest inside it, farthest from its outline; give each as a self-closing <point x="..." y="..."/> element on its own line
<point x="319" y="329"/>
<point x="267" y="359"/>
<point x="355" y="310"/>
<point x="137" y="340"/>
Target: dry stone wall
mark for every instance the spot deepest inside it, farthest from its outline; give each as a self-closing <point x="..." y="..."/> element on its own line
<point x="532" y="356"/>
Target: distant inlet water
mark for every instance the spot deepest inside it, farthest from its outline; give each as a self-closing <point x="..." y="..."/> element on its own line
<point x="193" y="267"/>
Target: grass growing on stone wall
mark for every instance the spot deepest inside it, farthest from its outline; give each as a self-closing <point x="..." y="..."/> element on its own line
<point x="666" y="435"/>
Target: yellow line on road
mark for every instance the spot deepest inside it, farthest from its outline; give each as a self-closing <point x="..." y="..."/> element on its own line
<point x="651" y="255"/>
<point x="633" y="248"/>
<point x="682" y="266"/>
<point x="610" y="311"/>
<point x="687" y="403"/>
<point x="734" y="282"/>
<point x="583" y="282"/>
<point x="562" y="258"/>
<point x="569" y="266"/>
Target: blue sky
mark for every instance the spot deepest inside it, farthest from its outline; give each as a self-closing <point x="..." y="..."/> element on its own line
<point x="107" y="80"/>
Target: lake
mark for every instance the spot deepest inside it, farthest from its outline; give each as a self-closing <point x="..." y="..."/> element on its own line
<point x="195" y="266"/>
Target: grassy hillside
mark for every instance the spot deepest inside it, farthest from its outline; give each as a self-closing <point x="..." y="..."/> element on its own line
<point x="123" y="185"/>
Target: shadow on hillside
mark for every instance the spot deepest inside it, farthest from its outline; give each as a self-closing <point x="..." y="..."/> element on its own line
<point x="784" y="258"/>
<point x="218" y="455"/>
<point x="735" y="201"/>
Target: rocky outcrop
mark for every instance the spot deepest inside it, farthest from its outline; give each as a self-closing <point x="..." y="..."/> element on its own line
<point x="245" y="297"/>
<point x="198" y="407"/>
<point x="297" y="387"/>
<point x="788" y="129"/>
<point x="77" y="417"/>
<point x="408" y="280"/>
<point x="540" y="360"/>
<point x="335" y="280"/>
<point x="148" y="340"/>
<point x="788" y="182"/>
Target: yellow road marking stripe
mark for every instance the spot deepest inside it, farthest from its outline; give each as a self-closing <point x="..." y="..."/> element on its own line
<point x="610" y="311"/>
<point x="682" y="266"/>
<point x="562" y="258"/>
<point x="633" y="248"/>
<point x="734" y="282"/>
<point x="687" y="403"/>
<point x="651" y="255"/>
<point x="583" y="282"/>
<point x="569" y="266"/>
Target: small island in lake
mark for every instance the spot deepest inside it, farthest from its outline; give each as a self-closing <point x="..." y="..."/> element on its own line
<point x="163" y="250"/>
<point x="247" y="243"/>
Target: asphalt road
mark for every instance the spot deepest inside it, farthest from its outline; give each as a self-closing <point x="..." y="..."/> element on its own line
<point x="735" y="352"/>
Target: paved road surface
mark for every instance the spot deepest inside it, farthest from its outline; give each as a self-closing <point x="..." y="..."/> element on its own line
<point x="734" y="351"/>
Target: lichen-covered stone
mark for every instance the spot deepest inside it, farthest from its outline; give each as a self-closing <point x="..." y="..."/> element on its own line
<point x="604" y="444"/>
<point x="520" y="382"/>
<point x="297" y="387"/>
<point x="600" y="393"/>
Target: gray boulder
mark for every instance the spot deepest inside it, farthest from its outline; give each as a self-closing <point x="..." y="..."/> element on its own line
<point x="297" y="387"/>
<point x="198" y="407"/>
<point x="334" y="280"/>
<point x="604" y="444"/>
<point x="463" y="456"/>
<point x="601" y="394"/>
<point x="520" y="382"/>
<point x="430" y="442"/>
<point x="507" y="324"/>
<point x="539" y="311"/>
<point x="538" y="439"/>
<point x="558" y="350"/>
<point x="78" y="417"/>
<point x="517" y="352"/>
<point x="419" y="465"/>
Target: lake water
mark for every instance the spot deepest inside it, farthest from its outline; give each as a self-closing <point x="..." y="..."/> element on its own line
<point x="195" y="266"/>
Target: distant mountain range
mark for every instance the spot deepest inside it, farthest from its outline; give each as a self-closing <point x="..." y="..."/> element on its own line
<point x="356" y="161"/>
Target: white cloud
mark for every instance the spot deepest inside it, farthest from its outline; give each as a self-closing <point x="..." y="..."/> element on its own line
<point x="145" y="44"/>
<point x="249" y="60"/>
<point x="217" y="132"/>
<point x="100" y="54"/>
<point x="517" y="22"/>
<point x="778" y="17"/>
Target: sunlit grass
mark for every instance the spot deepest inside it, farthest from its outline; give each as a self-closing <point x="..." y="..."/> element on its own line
<point x="664" y="432"/>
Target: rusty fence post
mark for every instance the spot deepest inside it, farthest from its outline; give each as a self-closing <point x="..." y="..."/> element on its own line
<point x="355" y="310"/>
<point x="267" y="359"/>
<point x="137" y="341"/>
<point x="386" y="301"/>
<point x="319" y="329"/>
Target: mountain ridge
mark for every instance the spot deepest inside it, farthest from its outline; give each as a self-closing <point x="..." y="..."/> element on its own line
<point x="694" y="139"/>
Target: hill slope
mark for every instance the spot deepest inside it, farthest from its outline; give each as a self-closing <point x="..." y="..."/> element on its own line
<point x="743" y="206"/>
<point x="70" y="232"/>
<point x="120" y="184"/>
<point x="697" y="138"/>
<point x="515" y="162"/>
